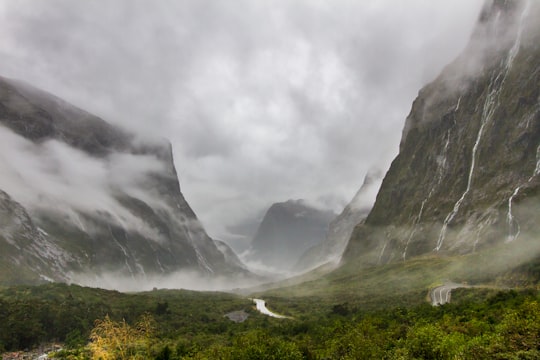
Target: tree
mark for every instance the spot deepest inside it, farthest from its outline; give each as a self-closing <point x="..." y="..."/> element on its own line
<point x="118" y="340"/>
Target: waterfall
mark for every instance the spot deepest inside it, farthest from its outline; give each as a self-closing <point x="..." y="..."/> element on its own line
<point x="537" y="168"/>
<point x="161" y="268"/>
<point x="517" y="43"/>
<point x="124" y="251"/>
<point x="201" y="259"/>
<point x="513" y="225"/>
<point x="440" y="172"/>
<point x="442" y="164"/>
<point x="531" y="116"/>
<point x="415" y="224"/>
<point x="382" y="253"/>
<point x="490" y="105"/>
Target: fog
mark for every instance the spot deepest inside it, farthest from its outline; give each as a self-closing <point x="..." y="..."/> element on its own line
<point x="189" y="280"/>
<point x="263" y="101"/>
<point x="54" y="176"/>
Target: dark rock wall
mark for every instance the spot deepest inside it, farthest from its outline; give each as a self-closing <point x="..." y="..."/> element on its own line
<point x="466" y="176"/>
<point x="97" y="241"/>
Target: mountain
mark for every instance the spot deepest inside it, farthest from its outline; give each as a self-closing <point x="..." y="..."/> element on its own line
<point x="286" y="231"/>
<point x="240" y="234"/>
<point x="229" y="254"/>
<point x="341" y="228"/>
<point x="80" y="196"/>
<point x="466" y="177"/>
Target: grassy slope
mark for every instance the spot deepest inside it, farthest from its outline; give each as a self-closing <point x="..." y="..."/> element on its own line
<point x="404" y="283"/>
<point x="189" y="318"/>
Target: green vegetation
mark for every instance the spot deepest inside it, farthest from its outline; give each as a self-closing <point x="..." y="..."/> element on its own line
<point x="178" y="324"/>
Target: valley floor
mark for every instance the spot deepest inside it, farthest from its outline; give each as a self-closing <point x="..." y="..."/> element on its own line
<point x="480" y="323"/>
<point x="384" y="312"/>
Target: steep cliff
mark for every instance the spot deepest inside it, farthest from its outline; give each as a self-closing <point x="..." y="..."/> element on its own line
<point x="467" y="173"/>
<point x="82" y="196"/>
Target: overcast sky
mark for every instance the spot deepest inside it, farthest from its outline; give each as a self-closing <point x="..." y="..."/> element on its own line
<point x="263" y="101"/>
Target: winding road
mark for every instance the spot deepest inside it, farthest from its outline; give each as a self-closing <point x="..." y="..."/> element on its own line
<point x="261" y="307"/>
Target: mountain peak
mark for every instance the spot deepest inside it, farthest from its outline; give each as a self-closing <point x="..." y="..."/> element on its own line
<point x="108" y="201"/>
<point x="287" y="230"/>
<point x="465" y="177"/>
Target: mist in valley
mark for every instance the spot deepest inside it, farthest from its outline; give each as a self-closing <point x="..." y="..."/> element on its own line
<point x="201" y="179"/>
<point x="284" y="100"/>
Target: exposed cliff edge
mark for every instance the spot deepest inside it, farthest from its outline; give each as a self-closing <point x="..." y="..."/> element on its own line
<point x="82" y="196"/>
<point x="467" y="174"/>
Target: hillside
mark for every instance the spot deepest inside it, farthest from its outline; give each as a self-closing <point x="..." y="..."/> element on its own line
<point x="340" y="229"/>
<point x="81" y="199"/>
<point x="466" y="177"/>
<point x="287" y="230"/>
<point x="458" y="206"/>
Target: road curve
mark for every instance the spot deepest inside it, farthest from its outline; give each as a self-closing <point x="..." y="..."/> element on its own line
<point x="261" y="307"/>
<point x="442" y="294"/>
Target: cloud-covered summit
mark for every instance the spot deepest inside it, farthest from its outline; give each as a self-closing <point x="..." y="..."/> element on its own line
<point x="262" y="100"/>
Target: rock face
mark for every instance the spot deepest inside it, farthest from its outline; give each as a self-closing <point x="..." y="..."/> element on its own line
<point x="26" y="253"/>
<point x="229" y="254"/>
<point x="287" y="230"/>
<point x="467" y="174"/>
<point x="79" y="195"/>
<point x="341" y="228"/>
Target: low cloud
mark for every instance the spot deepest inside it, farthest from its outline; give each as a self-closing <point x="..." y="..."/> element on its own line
<point x="53" y="176"/>
<point x="279" y="100"/>
<point x="189" y="280"/>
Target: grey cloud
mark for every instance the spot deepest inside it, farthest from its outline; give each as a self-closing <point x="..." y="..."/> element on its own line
<point x="177" y="280"/>
<point x="262" y="100"/>
<point x="55" y="177"/>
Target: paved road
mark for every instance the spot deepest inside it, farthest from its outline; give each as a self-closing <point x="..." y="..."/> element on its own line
<point x="442" y="294"/>
<point x="261" y="306"/>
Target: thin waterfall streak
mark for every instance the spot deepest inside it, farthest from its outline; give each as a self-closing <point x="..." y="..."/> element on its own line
<point x="137" y="264"/>
<point x="442" y="165"/>
<point x="514" y="228"/>
<point x="517" y="43"/>
<point x="487" y="114"/>
<point x="537" y="168"/>
<point x="415" y="224"/>
<point x="382" y="253"/>
<point x="440" y="173"/>
<point x="476" y="240"/>
<point x="532" y="116"/>
<point x="510" y="220"/>
<point x="124" y="251"/>
<point x="490" y="105"/>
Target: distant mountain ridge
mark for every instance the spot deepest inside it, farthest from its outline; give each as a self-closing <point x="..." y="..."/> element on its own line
<point x="287" y="230"/>
<point x="467" y="174"/>
<point x="340" y="229"/>
<point x="93" y="198"/>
